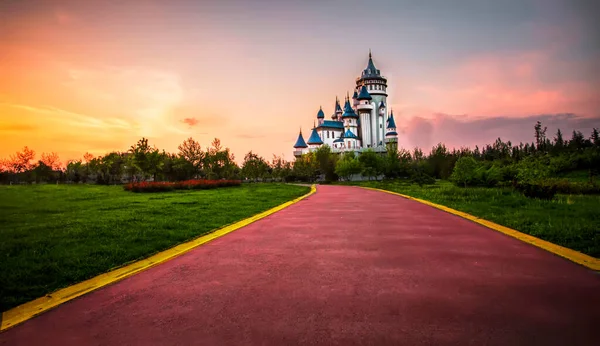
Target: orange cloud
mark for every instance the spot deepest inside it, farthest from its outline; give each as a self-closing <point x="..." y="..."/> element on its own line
<point x="190" y="121"/>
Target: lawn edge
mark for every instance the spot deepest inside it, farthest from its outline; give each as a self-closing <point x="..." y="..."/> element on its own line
<point x="572" y="255"/>
<point x="24" y="312"/>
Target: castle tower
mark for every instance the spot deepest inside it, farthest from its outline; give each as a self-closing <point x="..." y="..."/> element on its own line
<point x="365" y="108"/>
<point x="376" y="86"/>
<point x="337" y="113"/>
<point x="320" y="116"/>
<point x="314" y="141"/>
<point x="300" y="146"/>
<point x="354" y="99"/>
<point x="350" y="119"/>
<point x="391" y="136"/>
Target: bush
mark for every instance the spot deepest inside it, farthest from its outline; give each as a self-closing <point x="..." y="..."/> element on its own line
<point x="423" y="179"/>
<point x="465" y="171"/>
<point x="197" y="184"/>
<point x="542" y="189"/>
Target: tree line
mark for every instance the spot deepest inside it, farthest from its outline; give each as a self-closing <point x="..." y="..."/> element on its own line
<point x="492" y="165"/>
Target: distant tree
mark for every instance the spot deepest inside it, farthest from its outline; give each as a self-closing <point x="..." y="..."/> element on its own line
<point x="540" y="136"/>
<point x="145" y="158"/>
<point x="254" y="167"/>
<point x="42" y="172"/>
<point x="464" y="171"/>
<point x="305" y="168"/>
<point x="281" y="169"/>
<point x="191" y="151"/>
<point x="595" y="138"/>
<point x="347" y="166"/>
<point x="577" y="141"/>
<point x="73" y="171"/>
<point x="22" y="161"/>
<point x="326" y="162"/>
<point x="51" y="160"/>
<point x="372" y="164"/>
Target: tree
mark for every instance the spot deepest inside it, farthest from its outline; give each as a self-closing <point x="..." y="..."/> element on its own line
<point x="281" y="169"/>
<point x="145" y="158"/>
<point x="51" y="160"/>
<point x="540" y="136"/>
<point x="42" y="172"/>
<point x="371" y="163"/>
<point x="305" y="168"/>
<point x="348" y="166"/>
<point x="464" y="171"/>
<point x="326" y="161"/>
<point x="191" y="151"/>
<point x="21" y="161"/>
<point x="254" y="166"/>
<point x="595" y="138"/>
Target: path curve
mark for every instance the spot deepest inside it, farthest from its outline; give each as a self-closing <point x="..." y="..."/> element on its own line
<point x="345" y="266"/>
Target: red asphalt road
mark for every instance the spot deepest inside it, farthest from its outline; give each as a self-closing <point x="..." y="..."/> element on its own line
<point x="346" y="266"/>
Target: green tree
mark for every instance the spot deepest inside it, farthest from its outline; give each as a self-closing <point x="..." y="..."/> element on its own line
<point x="464" y="171"/>
<point x="191" y="151"/>
<point x="347" y="166"/>
<point x="254" y="167"/>
<point x="326" y="162"/>
<point x="372" y="164"/>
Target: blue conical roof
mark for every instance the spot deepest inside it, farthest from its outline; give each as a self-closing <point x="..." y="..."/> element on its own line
<point x="314" y="137"/>
<point x="371" y="70"/>
<point x="300" y="143"/>
<point x="337" y="105"/>
<point x="355" y="95"/>
<point x="381" y="104"/>
<point x="348" y="111"/>
<point x="364" y="94"/>
<point x="349" y="134"/>
<point x="320" y="114"/>
<point x="391" y="124"/>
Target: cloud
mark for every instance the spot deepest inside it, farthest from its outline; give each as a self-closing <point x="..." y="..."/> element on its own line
<point x="17" y="127"/>
<point x="143" y="96"/>
<point x="190" y="121"/>
<point x="64" y="117"/>
<point x="462" y="130"/>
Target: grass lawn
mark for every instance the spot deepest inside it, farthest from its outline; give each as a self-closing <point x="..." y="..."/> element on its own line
<point x="53" y="236"/>
<point x="572" y="221"/>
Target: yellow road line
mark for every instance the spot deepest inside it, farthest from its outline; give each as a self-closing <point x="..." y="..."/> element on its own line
<point x="572" y="255"/>
<point x="31" y="309"/>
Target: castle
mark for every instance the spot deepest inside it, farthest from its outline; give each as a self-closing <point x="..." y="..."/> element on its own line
<point x="364" y="123"/>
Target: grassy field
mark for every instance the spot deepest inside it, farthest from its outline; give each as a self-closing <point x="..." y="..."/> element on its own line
<point x="569" y="220"/>
<point x="57" y="235"/>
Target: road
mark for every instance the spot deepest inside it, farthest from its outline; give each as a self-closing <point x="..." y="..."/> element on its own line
<point x="345" y="266"/>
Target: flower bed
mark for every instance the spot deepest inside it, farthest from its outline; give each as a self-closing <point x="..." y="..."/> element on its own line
<point x="197" y="184"/>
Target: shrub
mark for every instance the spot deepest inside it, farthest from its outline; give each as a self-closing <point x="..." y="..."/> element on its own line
<point x="465" y="171"/>
<point x="197" y="184"/>
<point x="542" y="189"/>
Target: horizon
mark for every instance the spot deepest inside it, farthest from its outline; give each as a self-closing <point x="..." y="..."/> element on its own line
<point x="81" y="77"/>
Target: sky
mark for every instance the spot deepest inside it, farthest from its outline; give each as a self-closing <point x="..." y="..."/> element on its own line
<point x="96" y="76"/>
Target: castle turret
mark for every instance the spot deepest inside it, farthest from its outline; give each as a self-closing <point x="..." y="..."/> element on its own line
<point x="350" y="119"/>
<point x="355" y="99"/>
<point x="337" y="112"/>
<point x="320" y="115"/>
<point x="391" y="136"/>
<point x="300" y="145"/>
<point x="314" y="141"/>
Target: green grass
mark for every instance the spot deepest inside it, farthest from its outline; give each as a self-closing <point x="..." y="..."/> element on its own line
<point x="53" y="236"/>
<point x="571" y="221"/>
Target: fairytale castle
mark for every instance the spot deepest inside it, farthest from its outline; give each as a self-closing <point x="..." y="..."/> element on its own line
<point x="363" y="123"/>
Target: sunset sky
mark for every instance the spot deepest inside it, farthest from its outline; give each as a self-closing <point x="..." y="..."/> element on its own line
<point x="96" y="76"/>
